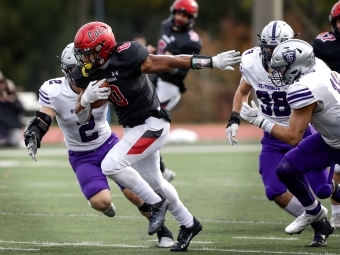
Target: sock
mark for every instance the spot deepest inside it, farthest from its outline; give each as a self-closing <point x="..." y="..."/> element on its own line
<point x="294" y="207"/>
<point x="314" y="208"/>
<point x="182" y="216"/>
<point x="131" y="179"/>
<point x="335" y="209"/>
<point x="111" y="212"/>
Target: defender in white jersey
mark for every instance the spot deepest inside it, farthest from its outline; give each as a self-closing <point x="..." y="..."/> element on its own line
<point x="313" y="96"/>
<point x="87" y="144"/>
<point x="271" y="97"/>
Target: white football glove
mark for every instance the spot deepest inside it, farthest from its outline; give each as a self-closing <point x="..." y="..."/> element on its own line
<point x="231" y="133"/>
<point x="254" y="116"/>
<point x="94" y="93"/>
<point x="225" y="59"/>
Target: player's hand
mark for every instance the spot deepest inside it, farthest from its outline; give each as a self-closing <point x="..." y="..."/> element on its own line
<point x="93" y="93"/>
<point x="225" y="59"/>
<point x="231" y="133"/>
<point x="32" y="143"/>
<point x="252" y="114"/>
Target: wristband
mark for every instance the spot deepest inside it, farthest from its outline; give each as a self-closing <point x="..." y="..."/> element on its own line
<point x="84" y="101"/>
<point x="267" y="125"/>
<point x="234" y="118"/>
<point x="199" y="62"/>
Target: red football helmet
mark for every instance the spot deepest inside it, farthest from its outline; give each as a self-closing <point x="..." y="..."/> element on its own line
<point x="93" y="45"/>
<point x="190" y="7"/>
<point x="335" y="13"/>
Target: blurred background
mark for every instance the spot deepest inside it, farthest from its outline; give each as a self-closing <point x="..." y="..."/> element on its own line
<point x="34" y="32"/>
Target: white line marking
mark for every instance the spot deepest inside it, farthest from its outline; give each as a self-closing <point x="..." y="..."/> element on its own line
<point x="97" y="244"/>
<point x="18" y="249"/>
<point x="168" y="149"/>
<point x="132" y="217"/>
<point x="267" y="238"/>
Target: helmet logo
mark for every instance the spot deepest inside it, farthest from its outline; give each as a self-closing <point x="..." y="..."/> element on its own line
<point x="96" y="33"/>
<point x="289" y="56"/>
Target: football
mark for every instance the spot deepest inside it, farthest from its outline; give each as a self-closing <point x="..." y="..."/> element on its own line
<point x="100" y="102"/>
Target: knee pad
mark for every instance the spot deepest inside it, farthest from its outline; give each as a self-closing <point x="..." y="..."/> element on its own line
<point x="93" y="187"/>
<point x="324" y="192"/>
<point x="285" y="169"/>
<point x="272" y="194"/>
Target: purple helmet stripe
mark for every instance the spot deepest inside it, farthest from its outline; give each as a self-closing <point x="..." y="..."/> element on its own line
<point x="274" y="29"/>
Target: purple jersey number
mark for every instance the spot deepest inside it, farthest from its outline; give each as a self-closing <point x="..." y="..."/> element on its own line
<point x="89" y="126"/>
<point x="275" y="104"/>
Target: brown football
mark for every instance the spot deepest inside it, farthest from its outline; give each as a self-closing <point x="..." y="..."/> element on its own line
<point x="100" y="102"/>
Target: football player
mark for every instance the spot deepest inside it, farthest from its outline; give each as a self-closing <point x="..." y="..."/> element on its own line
<point x="177" y="37"/>
<point x="327" y="47"/>
<point x="313" y="95"/>
<point x="146" y="125"/>
<point x="271" y="97"/>
<point x="87" y="144"/>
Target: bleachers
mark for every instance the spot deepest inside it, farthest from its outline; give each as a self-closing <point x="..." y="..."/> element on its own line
<point x="31" y="104"/>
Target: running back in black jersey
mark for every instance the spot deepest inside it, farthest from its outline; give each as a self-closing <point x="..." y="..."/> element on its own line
<point x="133" y="96"/>
<point x="185" y="41"/>
<point x="327" y="47"/>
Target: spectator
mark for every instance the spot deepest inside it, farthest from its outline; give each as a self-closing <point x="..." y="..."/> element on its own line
<point x="11" y="111"/>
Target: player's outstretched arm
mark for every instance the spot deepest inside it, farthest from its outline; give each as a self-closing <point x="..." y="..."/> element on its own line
<point x="37" y="128"/>
<point x="166" y="63"/>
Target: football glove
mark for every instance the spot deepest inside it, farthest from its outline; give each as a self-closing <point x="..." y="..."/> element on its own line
<point x="225" y="59"/>
<point x="232" y="127"/>
<point x="32" y="143"/>
<point x="254" y="116"/>
<point x="93" y="93"/>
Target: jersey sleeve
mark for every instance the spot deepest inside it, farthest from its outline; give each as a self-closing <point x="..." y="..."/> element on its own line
<point x="299" y="95"/>
<point x="245" y="66"/>
<point x="48" y="92"/>
<point x="131" y="54"/>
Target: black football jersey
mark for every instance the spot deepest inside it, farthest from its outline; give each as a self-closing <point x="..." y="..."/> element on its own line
<point x="327" y="47"/>
<point x="133" y="96"/>
<point x="185" y="41"/>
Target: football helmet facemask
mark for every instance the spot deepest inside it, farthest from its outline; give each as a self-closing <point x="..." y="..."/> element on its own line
<point x="189" y="7"/>
<point x="68" y="62"/>
<point x="272" y="34"/>
<point x="291" y="59"/>
<point x="93" y="45"/>
<point x="335" y="13"/>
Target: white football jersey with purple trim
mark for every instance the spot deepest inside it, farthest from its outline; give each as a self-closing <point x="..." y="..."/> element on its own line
<point x="58" y="95"/>
<point x="323" y="87"/>
<point x="271" y="98"/>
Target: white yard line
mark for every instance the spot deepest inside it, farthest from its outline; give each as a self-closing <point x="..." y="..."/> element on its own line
<point x="168" y="149"/>
<point x="96" y="244"/>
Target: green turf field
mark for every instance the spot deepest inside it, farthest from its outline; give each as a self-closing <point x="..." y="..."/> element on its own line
<point x="42" y="210"/>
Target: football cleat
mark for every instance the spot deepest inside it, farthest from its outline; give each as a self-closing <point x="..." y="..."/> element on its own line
<point x="301" y="222"/>
<point x="186" y="235"/>
<point x="322" y="229"/>
<point x="165" y="238"/>
<point x="157" y="215"/>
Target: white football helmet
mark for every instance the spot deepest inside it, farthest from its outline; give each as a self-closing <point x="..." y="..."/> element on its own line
<point x="68" y="62"/>
<point x="291" y="59"/>
<point x="272" y="34"/>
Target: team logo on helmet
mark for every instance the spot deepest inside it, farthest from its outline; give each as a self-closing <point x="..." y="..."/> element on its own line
<point x="289" y="56"/>
<point x="93" y="35"/>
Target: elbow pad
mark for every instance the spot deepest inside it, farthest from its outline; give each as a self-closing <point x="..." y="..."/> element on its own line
<point x="40" y="124"/>
<point x="83" y="115"/>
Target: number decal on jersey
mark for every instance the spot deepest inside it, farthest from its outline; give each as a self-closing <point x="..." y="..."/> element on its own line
<point x="50" y="82"/>
<point x="117" y="97"/>
<point x="87" y="127"/>
<point x="326" y="37"/>
<point x="249" y="52"/>
<point x="275" y="104"/>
